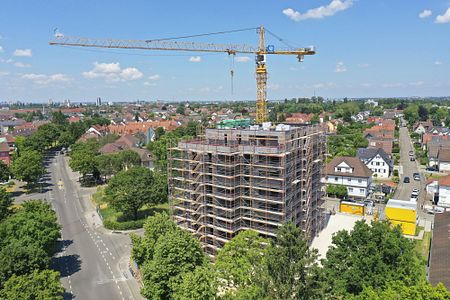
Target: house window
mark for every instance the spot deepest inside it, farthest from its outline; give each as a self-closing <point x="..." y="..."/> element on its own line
<point x="359" y="180"/>
<point x="349" y="180"/>
<point x="339" y="169"/>
<point x="335" y="179"/>
<point x="361" y="191"/>
<point x="350" y="189"/>
<point x="382" y="164"/>
<point x="378" y="163"/>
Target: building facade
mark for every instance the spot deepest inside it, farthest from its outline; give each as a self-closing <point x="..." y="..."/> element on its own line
<point x="351" y="173"/>
<point x="254" y="178"/>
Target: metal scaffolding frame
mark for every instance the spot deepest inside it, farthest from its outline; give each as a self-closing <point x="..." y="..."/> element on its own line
<point x="235" y="179"/>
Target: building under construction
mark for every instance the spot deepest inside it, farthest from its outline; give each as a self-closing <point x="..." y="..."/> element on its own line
<point x="232" y="179"/>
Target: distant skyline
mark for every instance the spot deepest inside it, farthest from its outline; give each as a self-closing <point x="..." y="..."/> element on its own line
<point x="364" y="49"/>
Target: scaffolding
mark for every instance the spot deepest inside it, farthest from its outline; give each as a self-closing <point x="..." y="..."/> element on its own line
<point x="230" y="180"/>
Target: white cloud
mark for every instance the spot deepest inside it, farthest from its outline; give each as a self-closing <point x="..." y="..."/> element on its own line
<point x="43" y="79"/>
<point x="425" y="14"/>
<point x="242" y="58"/>
<point x="3" y="73"/>
<point x="23" y="52"/>
<point x="131" y="74"/>
<point x="438" y="63"/>
<point x="154" y="77"/>
<point x="1" y="49"/>
<point x="363" y="65"/>
<point x="112" y="72"/>
<point x="22" y="65"/>
<point x="393" y="85"/>
<point x="366" y="85"/>
<point x="340" y="67"/>
<point x="147" y="83"/>
<point x="320" y="12"/>
<point x="445" y="18"/>
<point x="195" y="59"/>
<point x="417" y="83"/>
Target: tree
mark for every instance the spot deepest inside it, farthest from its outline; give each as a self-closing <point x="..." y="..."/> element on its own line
<point x="5" y="203"/>
<point x="155" y="226"/>
<point x="34" y="223"/>
<point x="238" y="262"/>
<point x="198" y="284"/>
<point x="292" y="269"/>
<point x="411" y="113"/>
<point x="37" y="285"/>
<point x="20" y="258"/>
<point x="83" y="157"/>
<point x="181" y="110"/>
<point x="108" y="164"/>
<point x="5" y="172"/>
<point x="370" y="256"/>
<point x="176" y="253"/>
<point x="59" y="118"/>
<point x="159" y="132"/>
<point x="128" y="159"/>
<point x="398" y="290"/>
<point x="129" y="190"/>
<point x="337" y="190"/>
<point x="423" y="113"/>
<point x="28" y="166"/>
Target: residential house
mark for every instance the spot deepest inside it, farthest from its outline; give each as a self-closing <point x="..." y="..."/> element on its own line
<point x="385" y="144"/>
<point x="443" y="158"/>
<point x="434" y="146"/>
<point x="440" y="190"/>
<point x="352" y="173"/>
<point x="422" y="127"/>
<point x="135" y="127"/>
<point x="377" y="160"/>
<point x="129" y="142"/>
<point x="4" y="153"/>
<point x="94" y="132"/>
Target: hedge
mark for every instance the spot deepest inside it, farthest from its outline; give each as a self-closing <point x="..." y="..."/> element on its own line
<point x="126" y="225"/>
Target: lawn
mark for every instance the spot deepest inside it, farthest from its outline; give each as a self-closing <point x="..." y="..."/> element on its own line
<point x="423" y="246"/>
<point x="113" y="219"/>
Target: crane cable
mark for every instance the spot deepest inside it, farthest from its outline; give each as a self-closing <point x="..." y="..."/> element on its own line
<point x="201" y="34"/>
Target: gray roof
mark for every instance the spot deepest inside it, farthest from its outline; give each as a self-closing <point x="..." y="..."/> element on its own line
<point x="367" y="154"/>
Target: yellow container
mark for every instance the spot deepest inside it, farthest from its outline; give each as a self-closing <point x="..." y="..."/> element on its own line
<point x="352" y="208"/>
<point x="401" y="214"/>
<point x="408" y="228"/>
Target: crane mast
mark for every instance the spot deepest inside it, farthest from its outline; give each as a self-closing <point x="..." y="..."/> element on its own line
<point x="260" y="52"/>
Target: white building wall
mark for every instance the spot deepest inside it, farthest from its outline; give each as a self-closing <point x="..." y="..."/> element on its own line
<point x="444" y="196"/>
<point x="356" y="187"/>
<point x="444" y="166"/>
<point x="378" y="167"/>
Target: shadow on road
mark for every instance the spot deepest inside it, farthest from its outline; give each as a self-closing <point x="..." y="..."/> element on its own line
<point x="68" y="296"/>
<point x="67" y="264"/>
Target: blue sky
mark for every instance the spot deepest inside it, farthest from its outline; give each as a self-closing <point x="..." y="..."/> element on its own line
<point x="365" y="48"/>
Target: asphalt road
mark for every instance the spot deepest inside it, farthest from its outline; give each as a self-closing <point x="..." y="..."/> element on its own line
<point x="407" y="168"/>
<point x="93" y="262"/>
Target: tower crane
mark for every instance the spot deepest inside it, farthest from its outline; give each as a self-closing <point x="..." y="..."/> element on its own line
<point x="260" y="52"/>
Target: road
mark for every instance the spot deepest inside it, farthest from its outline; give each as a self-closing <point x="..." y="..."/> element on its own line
<point x="407" y="168"/>
<point x="93" y="262"/>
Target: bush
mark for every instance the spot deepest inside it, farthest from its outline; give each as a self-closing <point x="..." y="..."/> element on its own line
<point x="396" y="173"/>
<point x="126" y="225"/>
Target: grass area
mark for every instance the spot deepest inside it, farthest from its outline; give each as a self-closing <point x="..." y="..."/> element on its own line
<point x="113" y="219"/>
<point x="423" y="246"/>
<point x="433" y="176"/>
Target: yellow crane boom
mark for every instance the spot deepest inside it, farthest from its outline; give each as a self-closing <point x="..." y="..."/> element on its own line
<point x="170" y="45"/>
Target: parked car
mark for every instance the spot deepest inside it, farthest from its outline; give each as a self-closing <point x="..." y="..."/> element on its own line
<point x="411" y="153"/>
<point x="432" y="169"/>
<point x="416" y="176"/>
<point x="412" y="158"/>
<point x="406" y="179"/>
<point x="415" y="193"/>
<point x="435" y="210"/>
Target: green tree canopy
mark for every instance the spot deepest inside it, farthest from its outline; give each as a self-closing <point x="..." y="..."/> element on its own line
<point x="129" y="190"/>
<point x="5" y="204"/>
<point x="177" y="252"/>
<point x="36" y="285"/>
<point x="292" y="268"/>
<point x="83" y="157"/>
<point x="198" y="284"/>
<point x="5" y="172"/>
<point x="28" y="166"/>
<point x="240" y="260"/>
<point x="370" y="255"/>
<point x="34" y="223"/>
